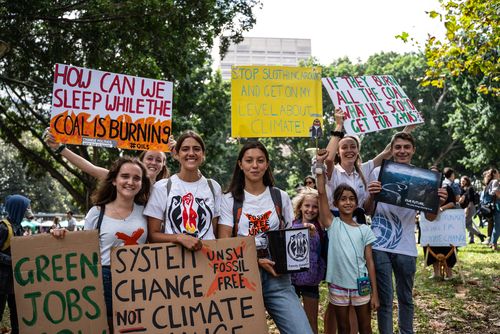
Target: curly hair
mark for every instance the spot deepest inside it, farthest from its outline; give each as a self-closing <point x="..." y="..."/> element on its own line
<point x="298" y="200"/>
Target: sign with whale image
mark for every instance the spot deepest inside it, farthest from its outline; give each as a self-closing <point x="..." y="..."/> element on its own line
<point x="409" y="186"/>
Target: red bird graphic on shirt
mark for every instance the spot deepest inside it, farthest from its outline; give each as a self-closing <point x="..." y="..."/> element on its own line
<point x="189" y="215"/>
<point x="130" y="240"/>
<point x="258" y="224"/>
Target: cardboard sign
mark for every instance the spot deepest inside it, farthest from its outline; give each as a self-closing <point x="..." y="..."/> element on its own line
<point x="276" y="101"/>
<point x="409" y="186"/>
<point x="58" y="284"/>
<point x="97" y="108"/>
<point x="371" y="103"/>
<point x="447" y="229"/>
<point x="164" y="288"/>
<point x="289" y="249"/>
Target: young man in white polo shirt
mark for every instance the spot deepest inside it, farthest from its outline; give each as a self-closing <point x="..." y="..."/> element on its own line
<point x="395" y="250"/>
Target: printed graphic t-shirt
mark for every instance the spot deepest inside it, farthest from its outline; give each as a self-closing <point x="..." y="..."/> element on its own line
<point x="394" y="227"/>
<point x="258" y="215"/>
<point x="118" y="232"/>
<point x="189" y="208"/>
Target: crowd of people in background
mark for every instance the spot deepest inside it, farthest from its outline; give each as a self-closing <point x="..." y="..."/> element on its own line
<point x="139" y="197"/>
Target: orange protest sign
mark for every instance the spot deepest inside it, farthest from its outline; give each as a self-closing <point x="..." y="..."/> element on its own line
<point x="96" y="108"/>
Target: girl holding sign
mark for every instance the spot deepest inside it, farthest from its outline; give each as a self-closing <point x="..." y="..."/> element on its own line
<point x="252" y="189"/>
<point x="350" y="269"/>
<point x="184" y="209"/>
<point x="117" y="215"/>
<point x="154" y="161"/>
<point x="344" y="164"/>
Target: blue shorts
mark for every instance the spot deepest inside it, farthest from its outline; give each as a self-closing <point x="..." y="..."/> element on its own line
<point x="307" y="291"/>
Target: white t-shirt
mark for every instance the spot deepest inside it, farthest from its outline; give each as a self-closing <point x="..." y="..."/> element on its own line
<point x="394" y="227"/>
<point x="258" y="215"/>
<point x="132" y="230"/>
<point x="339" y="175"/>
<point x="72" y="224"/>
<point x="189" y="208"/>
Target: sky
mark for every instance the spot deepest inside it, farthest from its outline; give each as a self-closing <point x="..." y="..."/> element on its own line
<point x="353" y="28"/>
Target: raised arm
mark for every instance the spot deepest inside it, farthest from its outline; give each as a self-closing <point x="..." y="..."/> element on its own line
<point x="333" y="144"/>
<point x="325" y="215"/>
<point x="78" y="161"/>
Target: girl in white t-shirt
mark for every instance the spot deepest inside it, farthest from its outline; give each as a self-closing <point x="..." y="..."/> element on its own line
<point x="184" y="209"/>
<point x="251" y="185"/>
<point x="349" y="255"/>
<point x="122" y="194"/>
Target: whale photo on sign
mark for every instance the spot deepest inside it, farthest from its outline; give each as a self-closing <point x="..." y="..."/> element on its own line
<point x="409" y="186"/>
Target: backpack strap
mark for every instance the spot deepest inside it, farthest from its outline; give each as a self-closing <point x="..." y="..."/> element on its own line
<point x="237" y="209"/>
<point x="10" y="234"/>
<point x="211" y="186"/>
<point x="169" y="187"/>
<point x="101" y="216"/>
<point x="278" y="205"/>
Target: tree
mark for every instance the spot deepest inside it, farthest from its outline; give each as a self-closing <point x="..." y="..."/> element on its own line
<point x="471" y="46"/>
<point x="466" y="63"/>
<point x="156" y="39"/>
<point x="18" y="177"/>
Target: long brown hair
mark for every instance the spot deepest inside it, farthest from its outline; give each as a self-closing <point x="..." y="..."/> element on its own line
<point x="237" y="185"/>
<point x="106" y="191"/>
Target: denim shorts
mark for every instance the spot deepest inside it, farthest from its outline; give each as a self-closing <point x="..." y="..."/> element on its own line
<point x="108" y="288"/>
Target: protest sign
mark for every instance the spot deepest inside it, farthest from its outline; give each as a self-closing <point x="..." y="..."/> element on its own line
<point x="289" y="249"/>
<point x="447" y="229"/>
<point x="97" y="108"/>
<point x="165" y="288"/>
<point x="275" y="101"/>
<point x="371" y="103"/>
<point x="409" y="186"/>
<point x="58" y="284"/>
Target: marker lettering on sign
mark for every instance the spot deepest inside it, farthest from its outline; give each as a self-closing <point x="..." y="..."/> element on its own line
<point x="72" y="76"/>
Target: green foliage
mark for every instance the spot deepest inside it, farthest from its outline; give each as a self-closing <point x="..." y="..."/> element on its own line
<point x="151" y="38"/>
<point x="18" y="177"/>
<point x="467" y="65"/>
<point x="471" y="47"/>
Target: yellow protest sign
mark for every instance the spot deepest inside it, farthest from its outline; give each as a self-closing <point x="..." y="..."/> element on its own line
<point x="275" y="101"/>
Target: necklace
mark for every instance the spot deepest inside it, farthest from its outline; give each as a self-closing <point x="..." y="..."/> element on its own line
<point x="117" y="213"/>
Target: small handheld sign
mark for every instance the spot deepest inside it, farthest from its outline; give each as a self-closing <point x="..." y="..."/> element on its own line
<point x="289" y="249"/>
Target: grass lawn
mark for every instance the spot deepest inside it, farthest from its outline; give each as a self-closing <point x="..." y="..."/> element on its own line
<point x="445" y="306"/>
<point x="452" y="307"/>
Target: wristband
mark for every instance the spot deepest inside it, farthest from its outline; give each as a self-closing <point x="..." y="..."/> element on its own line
<point x="319" y="169"/>
<point x="60" y="149"/>
<point x="338" y="134"/>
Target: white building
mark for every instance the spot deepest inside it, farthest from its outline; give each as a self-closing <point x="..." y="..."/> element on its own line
<point x="265" y="51"/>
